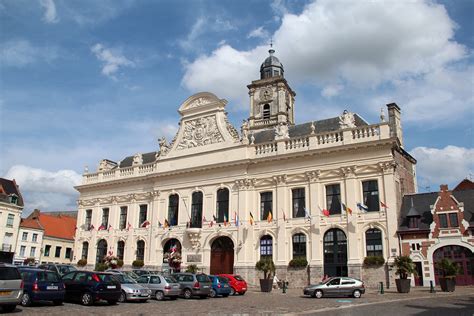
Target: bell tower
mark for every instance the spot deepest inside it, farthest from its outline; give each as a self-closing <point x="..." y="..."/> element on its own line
<point x="271" y="98"/>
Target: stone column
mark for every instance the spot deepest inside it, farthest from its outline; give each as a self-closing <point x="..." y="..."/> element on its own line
<point x="315" y="259"/>
<point x="281" y="205"/>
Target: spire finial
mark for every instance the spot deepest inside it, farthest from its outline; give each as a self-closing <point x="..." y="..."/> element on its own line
<point x="271" y="50"/>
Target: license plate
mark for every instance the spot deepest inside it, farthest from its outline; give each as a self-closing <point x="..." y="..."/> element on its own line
<point x="5" y="293"/>
<point x="205" y="286"/>
<point x="51" y="287"/>
<point x="111" y="286"/>
<point x="143" y="294"/>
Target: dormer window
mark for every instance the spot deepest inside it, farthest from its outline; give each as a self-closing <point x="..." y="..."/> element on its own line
<point x="413" y="222"/>
<point x="453" y="220"/>
<point x="443" y="221"/>
<point x="13" y="199"/>
<point x="266" y="111"/>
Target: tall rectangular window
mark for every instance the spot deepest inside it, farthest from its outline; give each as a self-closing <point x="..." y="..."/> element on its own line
<point x="10" y="220"/>
<point x="222" y="205"/>
<point x="173" y="206"/>
<point x="47" y="250"/>
<point x="143" y="214"/>
<point x="453" y="220"/>
<point x="68" y="253"/>
<point x="22" y="251"/>
<point x="35" y="238"/>
<point x="333" y="198"/>
<point x="88" y="220"/>
<point x="196" y="210"/>
<point x="105" y="217"/>
<point x="57" y="252"/>
<point x="32" y="251"/>
<point x="266" y="204"/>
<point x="371" y="195"/>
<point x="443" y="220"/>
<point x="123" y="217"/>
<point x="298" y="202"/>
<point x="24" y="236"/>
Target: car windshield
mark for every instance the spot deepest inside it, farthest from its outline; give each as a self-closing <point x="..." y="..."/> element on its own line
<point x="124" y="279"/>
<point x="48" y="276"/>
<point x="106" y="277"/>
<point x="66" y="269"/>
<point x="238" y="278"/>
<point x="202" y="278"/>
<point x="170" y="279"/>
<point x="223" y="279"/>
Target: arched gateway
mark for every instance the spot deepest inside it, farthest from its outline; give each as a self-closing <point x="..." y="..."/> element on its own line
<point x="335" y="253"/>
<point x="463" y="257"/>
<point x="222" y="256"/>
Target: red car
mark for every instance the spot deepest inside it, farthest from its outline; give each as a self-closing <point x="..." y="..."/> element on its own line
<point x="237" y="283"/>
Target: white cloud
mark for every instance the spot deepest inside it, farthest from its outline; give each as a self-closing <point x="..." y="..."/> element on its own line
<point x="50" y="15"/>
<point x="112" y="60"/>
<point x="331" y="90"/>
<point x="46" y="190"/>
<point x="361" y="44"/>
<point x="259" y="32"/>
<point x="20" y="53"/>
<point x="204" y="25"/>
<point x="447" y="165"/>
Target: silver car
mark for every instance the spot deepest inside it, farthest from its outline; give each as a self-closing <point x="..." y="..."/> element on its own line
<point x="131" y="290"/>
<point x="161" y="286"/>
<point x="11" y="287"/>
<point x="337" y="286"/>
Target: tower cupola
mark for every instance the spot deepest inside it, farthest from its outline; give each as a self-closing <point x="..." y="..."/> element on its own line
<point x="271" y="67"/>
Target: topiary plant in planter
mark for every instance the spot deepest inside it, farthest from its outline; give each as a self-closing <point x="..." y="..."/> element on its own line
<point x="119" y="263"/>
<point x="449" y="270"/>
<point x="100" y="267"/>
<point x="82" y="263"/>
<point x="373" y="261"/>
<point x="404" y="267"/>
<point x="268" y="268"/>
<point x="298" y="263"/>
<point x="138" y="264"/>
<point x="29" y="261"/>
<point x="192" y="268"/>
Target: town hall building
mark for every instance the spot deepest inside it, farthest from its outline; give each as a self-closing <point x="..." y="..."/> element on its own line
<point x="328" y="191"/>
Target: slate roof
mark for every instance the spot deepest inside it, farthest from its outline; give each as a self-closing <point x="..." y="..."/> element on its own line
<point x="7" y="188"/>
<point x="147" y="158"/>
<point x="321" y="126"/>
<point x="422" y="202"/>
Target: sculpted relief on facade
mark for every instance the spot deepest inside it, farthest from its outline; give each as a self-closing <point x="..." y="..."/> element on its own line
<point x="200" y="132"/>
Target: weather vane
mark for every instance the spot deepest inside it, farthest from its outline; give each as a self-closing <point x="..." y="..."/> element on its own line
<point x="271" y="42"/>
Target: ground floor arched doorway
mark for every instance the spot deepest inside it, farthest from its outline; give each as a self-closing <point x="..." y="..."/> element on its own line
<point x="463" y="257"/>
<point x="222" y="256"/>
<point x="335" y="253"/>
<point x="101" y="250"/>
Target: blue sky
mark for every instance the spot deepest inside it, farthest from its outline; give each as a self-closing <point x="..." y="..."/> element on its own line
<point x="86" y="80"/>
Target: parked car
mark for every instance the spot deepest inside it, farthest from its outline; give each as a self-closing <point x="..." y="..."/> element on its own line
<point x="141" y="272"/>
<point x="193" y="284"/>
<point x="336" y="286"/>
<point x="161" y="286"/>
<point x="61" y="269"/>
<point x="128" y="273"/>
<point x="41" y="285"/>
<point x="220" y="286"/>
<point x="11" y="287"/>
<point x="237" y="283"/>
<point x="88" y="287"/>
<point x="131" y="290"/>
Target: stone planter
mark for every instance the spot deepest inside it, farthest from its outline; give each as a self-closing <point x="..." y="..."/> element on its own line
<point x="266" y="285"/>
<point x="447" y="284"/>
<point x="403" y="285"/>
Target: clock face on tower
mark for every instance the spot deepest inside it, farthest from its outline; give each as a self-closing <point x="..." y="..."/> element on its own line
<point x="266" y="94"/>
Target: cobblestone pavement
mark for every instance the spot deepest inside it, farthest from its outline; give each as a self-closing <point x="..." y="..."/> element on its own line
<point x="252" y="303"/>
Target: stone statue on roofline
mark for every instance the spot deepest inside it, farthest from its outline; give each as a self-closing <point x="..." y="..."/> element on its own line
<point x="137" y="159"/>
<point x="347" y="120"/>
<point x="281" y="131"/>
<point x="164" y="146"/>
<point x="244" y="130"/>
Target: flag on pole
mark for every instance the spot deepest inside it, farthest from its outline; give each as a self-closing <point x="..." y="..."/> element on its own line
<point x="211" y="223"/>
<point x="269" y="217"/>
<point x="91" y="227"/>
<point x="363" y="208"/>
<point x="251" y="220"/>
<point x="159" y="224"/>
<point x="325" y="211"/>
<point x="102" y="227"/>
<point x="110" y="227"/>
<point x="307" y="215"/>
<point x="129" y="226"/>
<point x="225" y="220"/>
<point x="204" y="219"/>
<point x="145" y="224"/>
<point x="347" y="209"/>
<point x="383" y="204"/>
<point x="284" y="216"/>
<point x="236" y="219"/>
<point x="215" y="218"/>
<point x="166" y="224"/>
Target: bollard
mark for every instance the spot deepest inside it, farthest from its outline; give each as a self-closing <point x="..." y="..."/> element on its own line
<point x="284" y="286"/>
<point x="432" y="289"/>
<point x="381" y="288"/>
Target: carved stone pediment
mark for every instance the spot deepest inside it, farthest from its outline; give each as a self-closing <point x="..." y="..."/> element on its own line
<point x="199" y="132"/>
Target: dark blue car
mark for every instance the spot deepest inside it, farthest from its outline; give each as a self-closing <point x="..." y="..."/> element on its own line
<point x="220" y="286"/>
<point x="41" y="285"/>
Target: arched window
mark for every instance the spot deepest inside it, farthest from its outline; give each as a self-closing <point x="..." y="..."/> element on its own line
<point x="101" y="250"/>
<point x="335" y="253"/>
<point x="173" y="205"/>
<point x="299" y="246"/>
<point x="85" y="250"/>
<point x="222" y="205"/>
<point x="266" y="247"/>
<point x="266" y="111"/>
<point x="140" y="250"/>
<point x="120" y="249"/>
<point x="373" y="242"/>
<point x="196" y="210"/>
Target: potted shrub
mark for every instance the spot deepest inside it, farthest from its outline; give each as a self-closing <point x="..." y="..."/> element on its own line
<point x="29" y="261"/>
<point x="111" y="262"/>
<point x="100" y="267"/>
<point x="449" y="270"/>
<point x="404" y="267"/>
<point x="298" y="263"/>
<point x="192" y="268"/>
<point x="373" y="261"/>
<point x="119" y="263"/>
<point x="82" y="263"/>
<point x="138" y="264"/>
<point x="268" y="268"/>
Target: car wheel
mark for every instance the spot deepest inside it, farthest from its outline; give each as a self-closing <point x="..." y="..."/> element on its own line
<point x="356" y="294"/>
<point x="159" y="296"/>
<point x="213" y="293"/>
<point x="57" y="303"/>
<point x="318" y="294"/>
<point x="232" y="291"/>
<point x="123" y="297"/>
<point x="8" y="308"/>
<point x="112" y="302"/>
<point x="26" y="300"/>
<point x="187" y="294"/>
<point x="86" y="299"/>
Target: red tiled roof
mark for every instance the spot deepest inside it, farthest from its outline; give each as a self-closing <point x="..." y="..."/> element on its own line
<point x="58" y="226"/>
<point x="31" y="223"/>
<point x="465" y="184"/>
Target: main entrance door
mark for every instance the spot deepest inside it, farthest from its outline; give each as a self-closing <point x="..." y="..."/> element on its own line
<point x="222" y="256"/>
<point x="463" y="257"/>
<point x="335" y="253"/>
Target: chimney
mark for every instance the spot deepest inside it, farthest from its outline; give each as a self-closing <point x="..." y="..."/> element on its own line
<point x="395" y="122"/>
